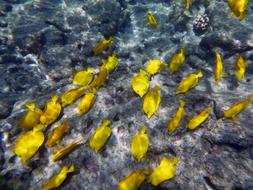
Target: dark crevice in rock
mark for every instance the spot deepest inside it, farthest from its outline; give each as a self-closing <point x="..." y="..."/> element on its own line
<point x="210" y="183"/>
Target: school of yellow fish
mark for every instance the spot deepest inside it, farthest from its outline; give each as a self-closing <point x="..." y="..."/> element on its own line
<point x="35" y="121"/>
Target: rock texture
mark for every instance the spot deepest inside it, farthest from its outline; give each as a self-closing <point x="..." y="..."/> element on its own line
<point x="43" y="43"/>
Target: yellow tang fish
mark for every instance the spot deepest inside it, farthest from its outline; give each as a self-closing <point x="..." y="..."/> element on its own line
<point x="151" y="20"/>
<point x="235" y="109"/>
<point x="165" y="171"/>
<point x="83" y="78"/>
<point x="31" y="117"/>
<point x="62" y="152"/>
<point x="174" y="122"/>
<point x="187" y="4"/>
<point x="100" y="136"/>
<point x="240" y="67"/>
<point x="51" y="112"/>
<point x="57" y="180"/>
<point x="238" y="8"/>
<point x="132" y="182"/>
<point x="87" y="102"/>
<point x="56" y="135"/>
<point x="189" y="82"/>
<point x="140" y="83"/>
<point x="199" y="119"/>
<point x="105" y="44"/>
<point x="110" y="63"/>
<point x="152" y="101"/>
<point x="154" y="66"/>
<point x="29" y="143"/>
<point x="99" y="81"/>
<point x="70" y="96"/>
<point x="177" y="60"/>
<point x="218" y="72"/>
<point x="139" y="146"/>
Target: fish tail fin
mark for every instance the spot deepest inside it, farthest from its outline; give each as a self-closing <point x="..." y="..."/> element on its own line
<point x="182" y="103"/>
<point x="143" y="72"/>
<point x="233" y="14"/>
<point x="30" y="106"/>
<point x="199" y="74"/>
<point x="71" y="168"/>
<point x="174" y="161"/>
<point x="66" y="123"/>
<point x="111" y="39"/>
<point x="54" y="98"/>
<point x="183" y="50"/>
<point x="143" y="130"/>
<point x="163" y="66"/>
<point x="90" y="70"/>
<point x="243" y="15"/>
<point x="156" y="88"/>
<point x="209" y="109"/>
<point x="250" y="97"/>
<point x="106" y="122"/>
<point x="38" y="127"/>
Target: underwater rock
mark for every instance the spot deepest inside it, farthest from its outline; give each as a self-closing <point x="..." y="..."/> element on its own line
<point x="44" y="43"/>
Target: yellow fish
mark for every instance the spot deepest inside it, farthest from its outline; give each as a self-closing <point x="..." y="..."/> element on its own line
<point x="56" y="135"/>
<point x="189" y="82"/>
<point x="70" y="96"/>
<point x="105" y="44"/>
<point x="177" y="60"/>
<point x="152" y="101"/>
<point x="132" y="182"/>
<point x="187" y="4"/>
<point x="29" y="143"/>
<point x="151" y="20"/>
<point x="199" y="119"/>
<point x="83" y="78"/>
<point x="235" y="109"/>
<point x="62" y="152"/>
<point x="238" y="8"/>
<point x="87" y="102"/>
<point x="100" y="136"/>
<point x="139" y="146"/>
<point x="174" y="122"/>
<point x="218" y="72"/>
<point x="165" y="171"/>
<point x="154" y="66"/>
<point x="140" y="83"/>
<point x="57" y="180"/>
<point x="240" y="67"/>
<point x="110" y="63"/>
<point x="51" y="112"/>
<point x="31" y="117"/>
<point x="99" y="81"/>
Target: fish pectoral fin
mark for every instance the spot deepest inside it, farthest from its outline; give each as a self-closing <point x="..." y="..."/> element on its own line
<point x="235" y="120"/>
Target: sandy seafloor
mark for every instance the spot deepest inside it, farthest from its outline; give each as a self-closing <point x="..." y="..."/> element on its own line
<point x="43" y="43"/>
